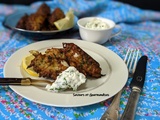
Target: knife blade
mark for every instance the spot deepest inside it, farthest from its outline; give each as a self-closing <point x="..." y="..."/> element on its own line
<point x="136" y="88"/>
<point x="23" y="81"/>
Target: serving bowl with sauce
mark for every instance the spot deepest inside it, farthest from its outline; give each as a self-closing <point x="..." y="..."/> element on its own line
<point x="97" y="29"/>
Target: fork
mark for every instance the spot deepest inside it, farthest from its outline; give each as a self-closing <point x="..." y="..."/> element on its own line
<point x="131" y="58"/>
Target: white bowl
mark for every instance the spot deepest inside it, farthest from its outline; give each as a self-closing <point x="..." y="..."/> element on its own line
<point x="97" y="35"/>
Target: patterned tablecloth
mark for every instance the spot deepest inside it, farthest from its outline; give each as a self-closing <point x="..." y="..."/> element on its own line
<point x="140" y="29"/>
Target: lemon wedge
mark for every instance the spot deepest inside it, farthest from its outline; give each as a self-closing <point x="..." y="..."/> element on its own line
<point x="25" y="62"/>
<point x="66" y="22"/>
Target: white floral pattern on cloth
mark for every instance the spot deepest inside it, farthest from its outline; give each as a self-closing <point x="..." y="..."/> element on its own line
<point x="138" y="30"/>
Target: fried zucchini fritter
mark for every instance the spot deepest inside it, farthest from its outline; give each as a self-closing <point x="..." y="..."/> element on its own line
<point x="57" y="53"/>
<point x="44" y="10"/>
<point x="81" y="60"/>
<point x="35" y="22"/>
<point x="55" y="60"/>
<point x="41" y="20"/>
<point x="52" y="27"/>
<point x="22" y="22"/>
<point x="55" y="15"/>
<point x="47" y="66"/>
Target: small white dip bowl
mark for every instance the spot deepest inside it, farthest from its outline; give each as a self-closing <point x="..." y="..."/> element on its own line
<point x="97" y="35"/>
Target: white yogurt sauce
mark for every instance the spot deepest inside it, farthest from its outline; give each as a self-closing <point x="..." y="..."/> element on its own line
<point x="70" y="78"/>
<point x="96" y="24"/>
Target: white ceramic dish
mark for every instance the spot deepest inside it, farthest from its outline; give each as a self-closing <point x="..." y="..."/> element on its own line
<point x="97" y="35"/>
<point x="107" y="86"/>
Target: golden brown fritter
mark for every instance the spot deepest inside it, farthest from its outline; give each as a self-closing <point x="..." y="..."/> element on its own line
<point x="52" y="27"/>
<point x="47" y="66"/>
<point x="44" y="26"/>
<point x="81" y="60"/>
<point x="55" y="60"/>
<point x="56" y="15"/>
<point x="44" y="9"/>
<point x="41" y="20"/>
<point x="21" y="23"/>
<point x="35" y="22"/>
<point x="56" y="53"/>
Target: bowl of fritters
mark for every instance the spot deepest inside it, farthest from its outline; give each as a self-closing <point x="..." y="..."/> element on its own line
<point x="38" y="22"/>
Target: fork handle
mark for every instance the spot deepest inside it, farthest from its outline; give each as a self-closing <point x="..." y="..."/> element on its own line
<point x="129" y="112"/>
<point x="112" y="111"/>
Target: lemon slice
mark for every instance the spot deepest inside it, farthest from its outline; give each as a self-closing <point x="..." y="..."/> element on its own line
<point x="66" y="22"/>
<point x="25" y="62"/>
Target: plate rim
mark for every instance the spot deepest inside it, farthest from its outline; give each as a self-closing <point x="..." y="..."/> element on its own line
<point x="77" y="41"/>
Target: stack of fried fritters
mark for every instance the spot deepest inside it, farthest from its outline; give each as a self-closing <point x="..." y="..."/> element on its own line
<point x="55" y="60"/>
<point x="41" y="20"/>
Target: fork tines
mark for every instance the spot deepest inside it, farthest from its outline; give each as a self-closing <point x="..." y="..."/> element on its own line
<point x="131" y="59"/>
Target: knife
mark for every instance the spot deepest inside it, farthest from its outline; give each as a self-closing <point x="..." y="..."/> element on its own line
<point x="136" y="88"/>
<point x="23" y="81"/>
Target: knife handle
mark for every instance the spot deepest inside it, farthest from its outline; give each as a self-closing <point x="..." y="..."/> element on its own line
<point x="131" y="106"/>
<point x="15" y="81"/>
<point x="140" y="72"/>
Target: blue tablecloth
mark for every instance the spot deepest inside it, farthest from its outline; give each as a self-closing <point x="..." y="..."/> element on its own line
<point x="140" y="29"/>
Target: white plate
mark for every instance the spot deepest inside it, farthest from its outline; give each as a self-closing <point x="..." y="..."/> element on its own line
<point x="103" y="88"/>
